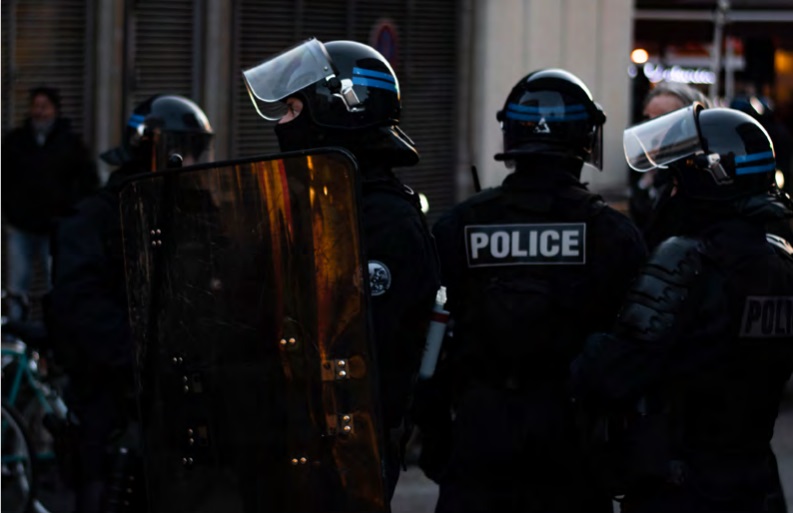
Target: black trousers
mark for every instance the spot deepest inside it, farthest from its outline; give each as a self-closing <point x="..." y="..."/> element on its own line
<point x="516" y="451"/>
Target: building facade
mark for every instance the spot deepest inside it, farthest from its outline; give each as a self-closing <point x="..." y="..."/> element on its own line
<point x="456" y="61"/>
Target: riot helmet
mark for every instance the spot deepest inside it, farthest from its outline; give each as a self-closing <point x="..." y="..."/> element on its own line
<point x="551" y="111"/>
<point x="716" y="154"/>
<point x="160" y="127"/>
<point x="350" y="97"/>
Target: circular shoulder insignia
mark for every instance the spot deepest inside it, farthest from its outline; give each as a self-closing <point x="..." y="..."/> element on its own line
<point x="379" y="278"/>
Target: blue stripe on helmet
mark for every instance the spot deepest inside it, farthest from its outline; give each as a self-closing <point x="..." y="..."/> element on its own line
<point x="136" y="120"/>
<point x="765" y="168"/>
<point x="542" y="109"/>
<point x="537" y="117"/>
<point x="752" y="157"/>
<point x="373" y="74"/>
<point x="370" y="82"/>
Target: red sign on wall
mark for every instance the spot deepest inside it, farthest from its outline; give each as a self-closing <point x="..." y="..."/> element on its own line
<point x="384" y="39"/>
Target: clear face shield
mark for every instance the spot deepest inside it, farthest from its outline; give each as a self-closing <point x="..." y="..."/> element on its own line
<point x="661" y="141"/>
<point x="596" y="156"/>
<point x="194" y="148"/>
<point x="274" y="80"/>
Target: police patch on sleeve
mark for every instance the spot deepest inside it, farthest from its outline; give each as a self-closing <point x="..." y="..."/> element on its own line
<point x="767" y="317"/>
<point x="379" y="278"/>
<point x="525" y="244"/>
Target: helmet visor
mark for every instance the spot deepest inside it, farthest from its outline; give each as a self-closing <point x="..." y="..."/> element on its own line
<point x="194" y="148"/>
<point x="663" y="140"/>
<point x="277" y="78"/>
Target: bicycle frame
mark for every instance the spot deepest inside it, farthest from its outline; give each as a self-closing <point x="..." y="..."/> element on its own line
<point x="26" y="371"/>
<point x="26" y="368"/>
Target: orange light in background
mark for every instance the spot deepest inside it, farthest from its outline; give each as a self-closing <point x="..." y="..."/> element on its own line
<point x="783" y="64"/>
<point x="639" y="56"/>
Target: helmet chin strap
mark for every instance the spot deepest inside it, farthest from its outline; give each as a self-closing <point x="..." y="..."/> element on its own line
<point x="712" y="164"/>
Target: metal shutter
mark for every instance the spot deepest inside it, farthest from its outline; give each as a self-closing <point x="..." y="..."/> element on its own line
<point x="263" y="29"/>
<point x="163" y="50"/>
<point x="47" y="42"/>
<point x="426" y="67"/>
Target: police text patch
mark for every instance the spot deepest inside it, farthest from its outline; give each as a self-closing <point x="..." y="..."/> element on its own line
<point x="767" y="316"/>
<point x="525" y="244"/>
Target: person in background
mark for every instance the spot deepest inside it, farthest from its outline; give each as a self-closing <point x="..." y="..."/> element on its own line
<point x="650" y="190"/>
<point x="46" y="168"/>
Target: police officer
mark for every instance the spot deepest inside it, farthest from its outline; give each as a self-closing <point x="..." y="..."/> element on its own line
<point x="88" y="314"/>
<point x="697" y="362"/>
<point x="531" y="267"/>
<point x="352" y="101"/>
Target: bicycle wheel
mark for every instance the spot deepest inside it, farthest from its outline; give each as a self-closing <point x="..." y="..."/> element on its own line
<point x="18" y="475"/>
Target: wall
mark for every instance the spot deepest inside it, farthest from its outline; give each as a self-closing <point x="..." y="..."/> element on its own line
<point x="591" y="38"/>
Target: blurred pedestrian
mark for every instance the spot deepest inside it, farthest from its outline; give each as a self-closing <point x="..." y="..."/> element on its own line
<point x="688" y="382"/>
<point x="45" y="168"/>
<point x="88" y="315"/>
<point x="531" y="268"/>
<point x="651" y="189"/>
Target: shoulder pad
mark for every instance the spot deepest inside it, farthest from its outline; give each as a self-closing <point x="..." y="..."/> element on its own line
<point x="779" y="244"/>
<point x="662" y="287"/>
<point x="395" y="188"/>
<point x="677" y="259"/>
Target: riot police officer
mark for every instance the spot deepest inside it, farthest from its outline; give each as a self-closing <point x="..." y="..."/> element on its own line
<point x="87" y="312"/>
<point x="693" y="371"/>
<point x="531" y="267"/>
<point x="649" y="191"/>
<point x="345" y="94"/>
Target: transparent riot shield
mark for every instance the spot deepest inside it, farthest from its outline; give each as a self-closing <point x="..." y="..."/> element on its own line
<point x="249" y="311"/>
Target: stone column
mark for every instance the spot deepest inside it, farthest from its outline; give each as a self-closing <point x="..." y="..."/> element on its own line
<point x="109" y="62"/>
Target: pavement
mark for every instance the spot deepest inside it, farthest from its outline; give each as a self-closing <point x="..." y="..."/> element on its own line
<point x="417" y="494"/>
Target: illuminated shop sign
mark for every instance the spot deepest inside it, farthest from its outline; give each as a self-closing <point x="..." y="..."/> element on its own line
<point x="658" y="73"/>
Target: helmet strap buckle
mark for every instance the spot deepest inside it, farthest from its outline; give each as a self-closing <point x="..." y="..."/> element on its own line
<point x="342" y="89"/>
<point x="712" y="163"/>
<point x="351" y="100"/>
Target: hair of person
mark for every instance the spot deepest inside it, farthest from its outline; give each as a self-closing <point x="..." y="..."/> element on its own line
<point x="685" y="93"/>
<point x="52" y="94"/>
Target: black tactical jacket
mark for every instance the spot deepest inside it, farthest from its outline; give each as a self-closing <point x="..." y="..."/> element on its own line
<point x="532" y="267"/>
<point x="401" y="252"/>
<point x="704" y="345"/>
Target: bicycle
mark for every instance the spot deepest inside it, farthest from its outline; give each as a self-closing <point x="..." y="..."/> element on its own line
<point x="32" y="412"/>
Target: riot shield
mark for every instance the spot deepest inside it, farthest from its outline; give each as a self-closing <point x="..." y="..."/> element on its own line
<point x="255" y="368"/>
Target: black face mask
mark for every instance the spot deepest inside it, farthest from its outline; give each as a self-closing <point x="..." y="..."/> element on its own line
<point x="298" y="134"/>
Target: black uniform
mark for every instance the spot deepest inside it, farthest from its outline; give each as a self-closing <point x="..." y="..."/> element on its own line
<point x="517" y="327"/>
<point x="43" y="181"/>
<point x="397" y="241"/>
<point x="87" y="311"/>
<point x="719" y="372"/>
<point x="689" y="381"/>
<point x="89" y="321"/>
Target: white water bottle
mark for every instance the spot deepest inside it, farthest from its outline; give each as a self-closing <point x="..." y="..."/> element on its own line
<point x="435" y="333"/>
